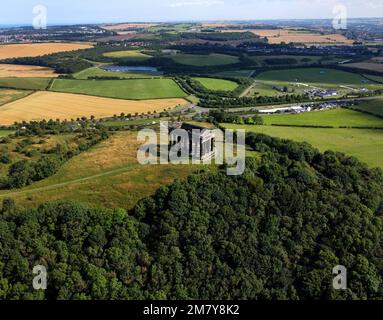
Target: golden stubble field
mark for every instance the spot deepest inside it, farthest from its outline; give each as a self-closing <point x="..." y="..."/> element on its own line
<point x="287" y="36"/>
<point x="122" y="28"/>
<point x="277" y="36"/>
<point x="9" y="51"/>
<point x="52" y="105"/>
<point x="21" y="71"/>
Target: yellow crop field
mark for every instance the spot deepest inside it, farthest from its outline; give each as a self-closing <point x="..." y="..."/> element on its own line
<point x="52" y="105"/>
<point x="128" y="26"/>
<point x="20" y="71"/>
<point x="38" y="49"/>
<point x="283" y="35"/>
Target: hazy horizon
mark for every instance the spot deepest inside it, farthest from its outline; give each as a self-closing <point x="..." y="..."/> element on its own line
<point x="116" y="11"/>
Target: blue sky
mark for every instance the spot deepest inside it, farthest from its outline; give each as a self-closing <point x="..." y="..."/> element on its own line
<point x="90" y="11"/>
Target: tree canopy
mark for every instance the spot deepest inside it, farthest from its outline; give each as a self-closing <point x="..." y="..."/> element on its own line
<point x="276" y="232"/>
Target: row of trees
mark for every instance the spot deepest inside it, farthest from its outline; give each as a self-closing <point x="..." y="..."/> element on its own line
<point x="220" y="116"/>
<point x="212" y="101"/>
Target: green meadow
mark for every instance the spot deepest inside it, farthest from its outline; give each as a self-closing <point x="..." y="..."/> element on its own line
<point x="300" y="60"/>
<point x="364" y="144"/>
<point x="217" y="84"/>
<point x="321" y="77"/>
<point x="214" y="59"/>
<point x="374" y="106"/>
<point x="97" y="72"/>
<point x="135" y="89"/>
<point x="25" y="83"/>
<point x="131" y="55"/>
<point x="5" y="132"/>
<point x="334" y="118"/>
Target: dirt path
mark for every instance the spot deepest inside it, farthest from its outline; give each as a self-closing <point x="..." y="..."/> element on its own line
<point x="247" y="90"/>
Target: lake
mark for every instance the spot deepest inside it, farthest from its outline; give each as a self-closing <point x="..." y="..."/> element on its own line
<point x="129" y="69"/>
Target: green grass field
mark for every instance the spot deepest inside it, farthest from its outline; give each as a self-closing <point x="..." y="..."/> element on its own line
<point x="197" y="60"/>
<point x="364" y="144"/>
<point x="25" y="83"/>
<point x="317" y="76"/>
<point x="217" y="84"/>
<point x="333" y="118"/>
<point x="97" y="72"/>
<point x="234" y="73"/>
<point x="135" y="89"/>
<point x="375" y="78"/>
<point x="5" y="133"/>
<point x="374" y="106"/>
<point x="300" y="60"/>
<point x="131" y="55"/>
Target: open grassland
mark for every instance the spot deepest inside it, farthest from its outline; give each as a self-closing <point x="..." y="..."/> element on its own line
<point x="5" y="132"/>
<point x="21" y="71"/>
<point x="51" y="105"/>
<point x="364" y="144"/>
<point x="136" y="89"/>
<point x="235" y="73"/>
<point x="332" y="118"/>
<point x="217" y="84"/>
<point x="198" y="60"/>
<point x="306" y="78"/>
<point x="278" y="36"/>
<point x="374" y="106"/>
<point x="374" y="78"/>
<point x="37" y="49"/>
<point x="97" y="72"/>
<point x="25" y="83"/>
<point x="108" y="175"/>
<point x="300" y="60"/>
<point x="133" y="55"/>
<point x="313" y="75"/>
<point x="9" y="95"/>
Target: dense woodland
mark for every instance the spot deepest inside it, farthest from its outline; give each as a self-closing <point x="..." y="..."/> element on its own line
<point x="275" y="232"/>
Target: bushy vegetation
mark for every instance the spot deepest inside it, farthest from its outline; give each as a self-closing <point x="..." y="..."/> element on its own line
<point x="61" y="62"/>
<point x="212" y="101"/>
<point x="275" y="232"/>
<point x="30" y="164"/>
<point x="220" y="116"/>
